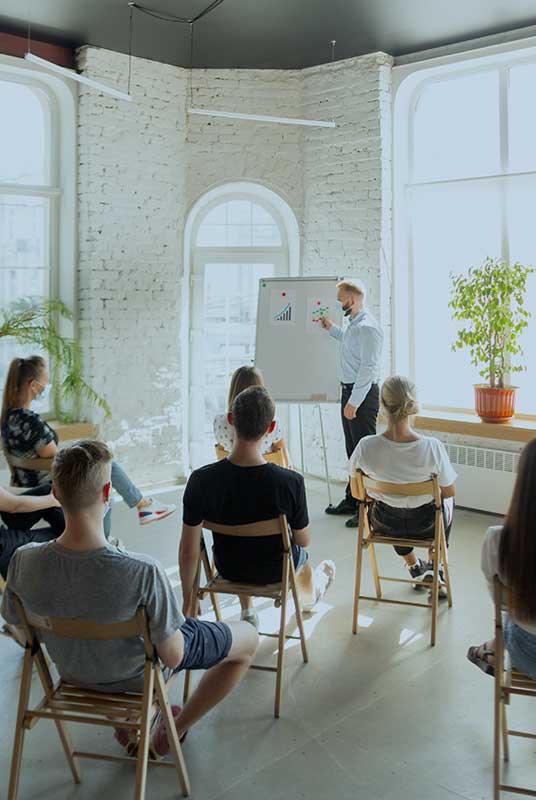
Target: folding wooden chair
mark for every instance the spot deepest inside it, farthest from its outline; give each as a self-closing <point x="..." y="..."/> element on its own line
<point x="367" y="539"/>
<point x="278" y="592"/>
<point x="508" y="681"/>
<point x="9" y="630"/>
<point x="64" y="702"/>
<point x="278" y="457"/>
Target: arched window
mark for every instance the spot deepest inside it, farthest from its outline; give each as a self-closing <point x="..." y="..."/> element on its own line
<point x="37" y="149"/>
<point x="465" y="179"/>
<point x="238" y="234"/>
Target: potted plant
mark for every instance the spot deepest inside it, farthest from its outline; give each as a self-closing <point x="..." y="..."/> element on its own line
<point x="489" y="299"/>
<point x="33" y="321"/>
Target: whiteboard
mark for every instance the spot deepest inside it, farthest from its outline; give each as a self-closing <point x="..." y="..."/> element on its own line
<point x="297" y="357"/>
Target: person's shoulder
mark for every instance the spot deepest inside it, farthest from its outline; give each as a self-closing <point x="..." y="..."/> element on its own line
<point x="22" y="415"/>
<point x="493" y="535"/>
<point x="208" y="472"/>
<point x="371" y="442"/>
<point x="435" y="445"/>
<point x="285" y="476"/>
<point x="135" y="559"/>
<point x="30" y="553"/>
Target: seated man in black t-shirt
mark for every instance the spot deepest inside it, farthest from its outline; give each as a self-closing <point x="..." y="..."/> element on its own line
<point x="244" y="488"/>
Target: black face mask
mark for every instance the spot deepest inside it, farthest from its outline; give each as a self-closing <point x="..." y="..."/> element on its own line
<point x="347" y="311"/>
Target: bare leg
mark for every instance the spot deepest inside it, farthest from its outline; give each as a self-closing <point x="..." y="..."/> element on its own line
<point x="410" y="559"/>
<point x="219" y="681"/>
<point x="245" y="602"/>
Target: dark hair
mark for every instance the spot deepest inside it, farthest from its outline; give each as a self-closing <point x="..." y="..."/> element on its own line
<point x="243" y="378"/>
<point x="517" y="550"/>
<point x="21" y="371"/>
<point x="253" y="411"/>
<point x="78" y="473"/>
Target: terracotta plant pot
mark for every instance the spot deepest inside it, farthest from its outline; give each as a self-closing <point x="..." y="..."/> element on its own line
<point x="495" y="405"/>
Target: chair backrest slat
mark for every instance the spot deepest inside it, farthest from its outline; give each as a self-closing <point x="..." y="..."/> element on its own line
<point x="267" y="527"/>
<point x="362" y="484"/>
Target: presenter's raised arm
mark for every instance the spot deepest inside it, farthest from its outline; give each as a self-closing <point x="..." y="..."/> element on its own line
<point x="330" y="326"/>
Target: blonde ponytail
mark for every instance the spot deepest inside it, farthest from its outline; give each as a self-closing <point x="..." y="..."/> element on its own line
<point x="399" y="397"/>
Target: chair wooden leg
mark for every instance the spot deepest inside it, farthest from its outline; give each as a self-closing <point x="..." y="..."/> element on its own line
<point x="173" y="739"/>
<point x="435" y="593"/>
<point x="282" y="640"/>
<point x="68" y="750"/>
<point x="195" y="600"/>
<point x="375" y="573"/>
<point x="299" y="616"/>
<point x="358" y="567"/>
<point x="18" y="743"/>
<point x="145" y="732"/>
<point x="445" y="561"/>
<point x="504" y="729"/>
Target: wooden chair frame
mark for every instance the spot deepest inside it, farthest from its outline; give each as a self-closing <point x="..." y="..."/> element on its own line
<point x="508" y="682"/>
<point x="278" y="457"/>
<point x="278" y="592"/>
<point x="10" y="630"/>
<point x="63" y="702"/>
<point x="366" y="539"/>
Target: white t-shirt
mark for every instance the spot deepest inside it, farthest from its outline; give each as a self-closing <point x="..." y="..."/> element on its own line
<point x="402" y="462"/>
<point x="224" y="433"/>
<point x="490" y="567"/>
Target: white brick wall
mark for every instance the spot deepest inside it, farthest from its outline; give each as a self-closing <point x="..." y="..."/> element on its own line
<point x="142" y="165"/>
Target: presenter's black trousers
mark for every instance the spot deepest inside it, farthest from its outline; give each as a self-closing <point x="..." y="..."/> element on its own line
<point x="363" y="424"/>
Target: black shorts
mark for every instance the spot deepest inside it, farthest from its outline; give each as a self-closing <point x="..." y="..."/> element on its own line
<point x="205" y="643"/>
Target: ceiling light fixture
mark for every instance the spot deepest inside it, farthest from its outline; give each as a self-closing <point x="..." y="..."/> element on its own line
<point x="210" y="112"/>
<point x="79" y="78"/>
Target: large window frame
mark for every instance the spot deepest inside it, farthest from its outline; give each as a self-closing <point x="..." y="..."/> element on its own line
<point x="409" y="83"/>
<point x="59" y="99"/>
<point x="286" y="255"/>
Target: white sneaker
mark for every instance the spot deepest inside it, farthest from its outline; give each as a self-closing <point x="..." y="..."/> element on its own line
<point x="323" y="577"/>
<point x="154" y="511"/>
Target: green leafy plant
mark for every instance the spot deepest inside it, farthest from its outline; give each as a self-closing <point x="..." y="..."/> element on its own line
<point x="490" y="300"/>
<point x="33" y="321"/>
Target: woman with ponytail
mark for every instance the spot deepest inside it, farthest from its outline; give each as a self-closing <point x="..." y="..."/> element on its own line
<point x="401" y="455"/>
<point x="509" y="554"/>
<point x="25" y="434"/>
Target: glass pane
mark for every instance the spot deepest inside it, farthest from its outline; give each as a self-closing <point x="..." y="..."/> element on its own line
<point x="24" y="228"/>
<point x="522" y="235"/>
<point x="239" y="212"/>
<point x="22" y="135"/>
<point x="456" y="128"/>
<point x="454" y="228"/>
<point x="230" y="308"/>
<point x="266" y="236"/>
<point x="212" y="236"/>
<point x="522" y="117"/>
<point x="239" y="236"/>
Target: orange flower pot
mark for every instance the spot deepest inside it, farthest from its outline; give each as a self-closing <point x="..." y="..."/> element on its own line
<point x="495" y="405"/>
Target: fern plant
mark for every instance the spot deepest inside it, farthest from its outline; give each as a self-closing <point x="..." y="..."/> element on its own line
<point x="33" y="321"/>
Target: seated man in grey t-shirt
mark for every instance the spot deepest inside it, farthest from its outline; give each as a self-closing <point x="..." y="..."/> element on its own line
<point x="80" y="575"/>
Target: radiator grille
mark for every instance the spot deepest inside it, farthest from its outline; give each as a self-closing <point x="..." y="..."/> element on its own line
<point x="483" y="458"/>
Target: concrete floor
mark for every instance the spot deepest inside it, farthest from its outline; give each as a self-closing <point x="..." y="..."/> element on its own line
<point x="377" y="715"/>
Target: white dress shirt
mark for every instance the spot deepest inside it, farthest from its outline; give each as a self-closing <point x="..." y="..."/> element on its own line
<point x="360" y="347"/>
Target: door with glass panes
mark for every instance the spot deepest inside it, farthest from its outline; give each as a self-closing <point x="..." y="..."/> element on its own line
<point x="224" y="294"/>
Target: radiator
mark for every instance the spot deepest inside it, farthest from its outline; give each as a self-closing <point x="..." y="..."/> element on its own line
<point x="485" y="477"/>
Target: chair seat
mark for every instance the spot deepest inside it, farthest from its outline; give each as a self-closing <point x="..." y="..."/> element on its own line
<point x="378" y="538"/>
<point x="223" y="586"/>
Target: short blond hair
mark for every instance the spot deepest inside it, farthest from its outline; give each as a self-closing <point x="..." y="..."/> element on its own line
<point x="353" y="287"/>
<point x="79" y="473"/>
<point x="398" y="396"/>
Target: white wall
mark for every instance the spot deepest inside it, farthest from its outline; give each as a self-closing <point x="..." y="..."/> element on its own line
<point x="143" y="165"/>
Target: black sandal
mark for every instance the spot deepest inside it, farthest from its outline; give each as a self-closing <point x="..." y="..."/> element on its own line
<point x="479" y="655"/>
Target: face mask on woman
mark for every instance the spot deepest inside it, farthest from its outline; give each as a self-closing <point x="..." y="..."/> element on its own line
<point x="42" y="399"/>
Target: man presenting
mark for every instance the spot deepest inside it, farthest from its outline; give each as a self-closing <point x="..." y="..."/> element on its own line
<point x="360" y="345"/>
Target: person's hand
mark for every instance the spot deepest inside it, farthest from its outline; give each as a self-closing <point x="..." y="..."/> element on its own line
<point x="326" y="323"/>
<point x="350" y="411"/>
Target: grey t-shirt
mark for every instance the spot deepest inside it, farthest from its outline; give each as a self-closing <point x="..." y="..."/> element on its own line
<point x="104" y="585"/>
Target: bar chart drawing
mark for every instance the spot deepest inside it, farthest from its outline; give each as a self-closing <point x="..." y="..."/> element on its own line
<point x="282" y="307"/>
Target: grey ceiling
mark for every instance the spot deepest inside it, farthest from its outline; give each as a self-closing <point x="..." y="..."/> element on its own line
<point x="268" y="33"/>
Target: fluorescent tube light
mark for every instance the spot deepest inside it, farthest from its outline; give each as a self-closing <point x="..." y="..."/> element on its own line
<point x="70" y="73"/>
<point x="262" y="118"/>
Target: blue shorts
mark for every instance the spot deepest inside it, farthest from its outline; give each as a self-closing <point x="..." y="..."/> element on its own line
<point x="522" y="648"/>
<point x="300" y="556"/>
<point x="205" y="643"/>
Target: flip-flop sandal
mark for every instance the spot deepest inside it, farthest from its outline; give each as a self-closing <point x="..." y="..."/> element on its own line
<point x="478" y="655"/>
<point x="159" y="741"/>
